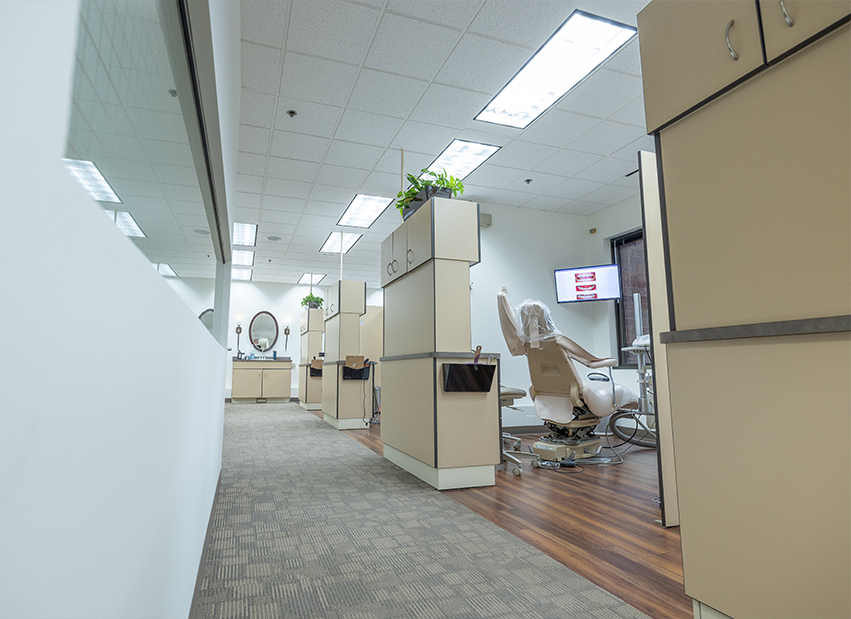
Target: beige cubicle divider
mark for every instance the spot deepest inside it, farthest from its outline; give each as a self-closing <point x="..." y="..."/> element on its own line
<point x="310" y="387"/>
<point x="657" y="287"/>
<point x="448" y="439"/>
<point x="372" y="339"/>
<point x="344" y="402"/>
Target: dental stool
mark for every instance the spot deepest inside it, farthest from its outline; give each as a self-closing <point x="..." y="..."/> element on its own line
<point x="569" y="404"/>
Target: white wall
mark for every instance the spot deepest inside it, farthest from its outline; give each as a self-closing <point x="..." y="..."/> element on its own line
<point x="111" y="422"/>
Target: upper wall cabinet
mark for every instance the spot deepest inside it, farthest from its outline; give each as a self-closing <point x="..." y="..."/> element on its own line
<point x="345" y="297"/>
<point x="789" y="23"/>
<point x="691" y="50"/>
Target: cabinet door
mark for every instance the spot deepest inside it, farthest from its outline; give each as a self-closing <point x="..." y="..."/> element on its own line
<point x="791" y="22"/>
<point x="246" y="383"/>
<point x="419" y="247"/>
<point x="400" y="248"/>
<point x="387" y="260"/>
<point x="276" y="383"/>
<point x="684" y="53"/>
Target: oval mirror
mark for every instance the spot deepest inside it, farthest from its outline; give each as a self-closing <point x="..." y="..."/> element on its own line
<point x="263" y="331"/>
<point x="206" y="318"/>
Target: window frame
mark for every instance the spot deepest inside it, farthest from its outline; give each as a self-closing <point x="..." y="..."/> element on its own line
<point x="620" y="319"/>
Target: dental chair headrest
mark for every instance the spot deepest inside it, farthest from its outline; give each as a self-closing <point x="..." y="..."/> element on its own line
<point x="535" y="323"/>
<point x="508" y="322"/>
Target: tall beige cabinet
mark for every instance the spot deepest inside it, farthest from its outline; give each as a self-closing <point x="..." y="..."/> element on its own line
<point x="344" y="402"/>
<point x="310" y="383"/>
<point x="750" y="103"/>
<point x="446" y="437"/>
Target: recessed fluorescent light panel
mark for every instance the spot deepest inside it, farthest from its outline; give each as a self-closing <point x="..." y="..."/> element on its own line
<point x="582" y="43"/>
<point x="245" y="234"/>
<point x="243" y="258"/>
<point x="332" y="243"/>
<point x="241" y="274"/>
<point x="461" y="157"/>
<point x="164" y="269"/>
<point x="363" y="211"/>
<point x="125" y="223"/>
<point x="317" y="277"/>
<point x="91" y="178"/>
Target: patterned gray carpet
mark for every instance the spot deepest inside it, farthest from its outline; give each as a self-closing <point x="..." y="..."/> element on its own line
<point x="310" y="523"/>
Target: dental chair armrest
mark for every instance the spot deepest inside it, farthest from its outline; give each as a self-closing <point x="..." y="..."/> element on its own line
<point x="598" y="376"/>
<point x="602" y="363"/>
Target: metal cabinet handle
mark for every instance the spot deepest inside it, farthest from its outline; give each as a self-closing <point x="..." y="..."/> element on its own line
<point x="389" y="268"/>
<point x="395" y="266"/>
<point x="410" y="256"/>
<point x="727" y="36"/>
<point x="786" y="15"/>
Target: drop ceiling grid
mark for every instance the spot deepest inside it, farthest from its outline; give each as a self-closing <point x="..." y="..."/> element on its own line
<point x="353" y="157"/>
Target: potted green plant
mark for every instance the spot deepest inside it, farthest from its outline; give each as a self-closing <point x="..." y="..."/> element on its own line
<point x="312" y="301"/>
<point x="425" y="186"/>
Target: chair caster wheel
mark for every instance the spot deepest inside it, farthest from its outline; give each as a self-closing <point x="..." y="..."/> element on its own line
<point x="517" y="471"/>
<point x="517" y="446"/>
<point x="535" y="464"/>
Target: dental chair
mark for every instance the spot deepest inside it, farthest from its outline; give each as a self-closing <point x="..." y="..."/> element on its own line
<point x="569" y="404"/>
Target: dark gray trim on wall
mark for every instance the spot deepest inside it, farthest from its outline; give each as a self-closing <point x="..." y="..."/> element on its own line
<point x="806" y="326"/>
<point x="666" y="250"/>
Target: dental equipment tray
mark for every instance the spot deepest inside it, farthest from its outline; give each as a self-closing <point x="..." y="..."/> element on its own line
<point x="470" y="377"/>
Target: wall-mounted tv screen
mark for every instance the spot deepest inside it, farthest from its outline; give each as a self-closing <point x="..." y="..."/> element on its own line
<point x="597" y="283"/>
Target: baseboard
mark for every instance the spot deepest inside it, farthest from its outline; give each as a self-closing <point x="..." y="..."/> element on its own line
<point x="443" y="479"/>
<point x="208" y="541"/>
<point x="310" y="406"/>
<point x="345" y="424"/>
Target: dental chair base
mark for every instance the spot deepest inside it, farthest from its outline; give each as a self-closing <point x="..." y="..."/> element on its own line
<point x="560" y="453"/>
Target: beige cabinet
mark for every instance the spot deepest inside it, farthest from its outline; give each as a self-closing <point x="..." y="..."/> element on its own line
<point x="440" y="228"/>
<point x="261" y="379"/>
<point x="788" y="24"/>
<point x="311" y="320"/>
<point x="346" y="297"/>
<point x="685" y="57"/>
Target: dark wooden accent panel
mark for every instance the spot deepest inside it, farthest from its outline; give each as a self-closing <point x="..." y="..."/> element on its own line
<point x="602" y="523"/>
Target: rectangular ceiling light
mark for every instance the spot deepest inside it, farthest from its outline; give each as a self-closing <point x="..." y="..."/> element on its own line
<point x="128" y="225"/>
<point x="241" y="274"/>
<point x="363" y="211"/>
<point x="243" y="258"/>
<point x="582" y="43"/>
<point x="317" y="277"/>
<point x="332" y="243"/>
<point x="90" y="177"/>
<point x="461" y="157"/>
<point x="245" y="234"/>
<point x="164" y="269"/>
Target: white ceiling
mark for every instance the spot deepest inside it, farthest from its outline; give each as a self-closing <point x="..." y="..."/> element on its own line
<point x="366" y="79"/>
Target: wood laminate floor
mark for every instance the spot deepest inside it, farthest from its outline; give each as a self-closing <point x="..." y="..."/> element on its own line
<point x="601" y="522"/>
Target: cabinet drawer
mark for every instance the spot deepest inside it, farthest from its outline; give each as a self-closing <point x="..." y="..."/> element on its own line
<point x="684" y="53"/>
<point x="806" y="18"/>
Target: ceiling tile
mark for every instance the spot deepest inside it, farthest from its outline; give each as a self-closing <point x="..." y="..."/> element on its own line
<point x="611" y="194"/>
<point x="630" y="151"/>
<point x="457" y="13"/>
<point x="192" y="221"/>
<point x="287" y="189"/>
<point x="367" y="128"/>
<point x="248" y="200"/>
<point x="479" y="63"/>
<point x="154" y="204"/>
<point x="391" y="162"/>
<point x="327" y="193"/>
<point x="540" y="182"/>
<point x="253" y="140"/>
<point x="311" y="118"/>
<point x="183" y="206"/>
<point x="629" y="181"/>
<point x="317" y="79"/>
<point x="353" y="155"/>
<point x="181" y="192"/>
<point x="249" y="184"/>
<point x="292" y="169"/>
<point x="325" y="209"/>
<point x="143" y="189"/>
<point x="477" y="193"/>
<point x="607" y="170"/>
<point x="511" y="198"/>
<point x="627" y="60"/>
<point x="574" y="188"/>
<point x="387" y="94"/>
<point x="256" y="108"/>
<point x="331" y="29"/>
<point x="606" y="137"/>
<point x="546" y="203"/>
<point x="246" y="215"/>
<point x="264" y="21"/>
<point x="567" y="162"/>
<point x="279" y="217"/>
<point x="251" y="163"/>
<point x="410" y="47"/>
<point x="423" y="138"/>
<point x="632" y="113"/>
<point x="524" y="155"/>
<point x="281" y="203"/>
<point x="602" y="94"/>
<point x="298" y="146"/>
<point x="380" y="184"/>
<point x="525" y="23"/>
<point x="581" y="207"/>
<point x="340" y="176"/>
<point x="261" y="68"/>
<point x="557" y="128"/>
<point x="493" y="176"/>
<point x="448" y="106"/>
<point x="321" y="222"/>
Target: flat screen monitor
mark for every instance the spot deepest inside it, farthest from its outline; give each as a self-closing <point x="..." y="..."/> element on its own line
<point x="596" y="283"/>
